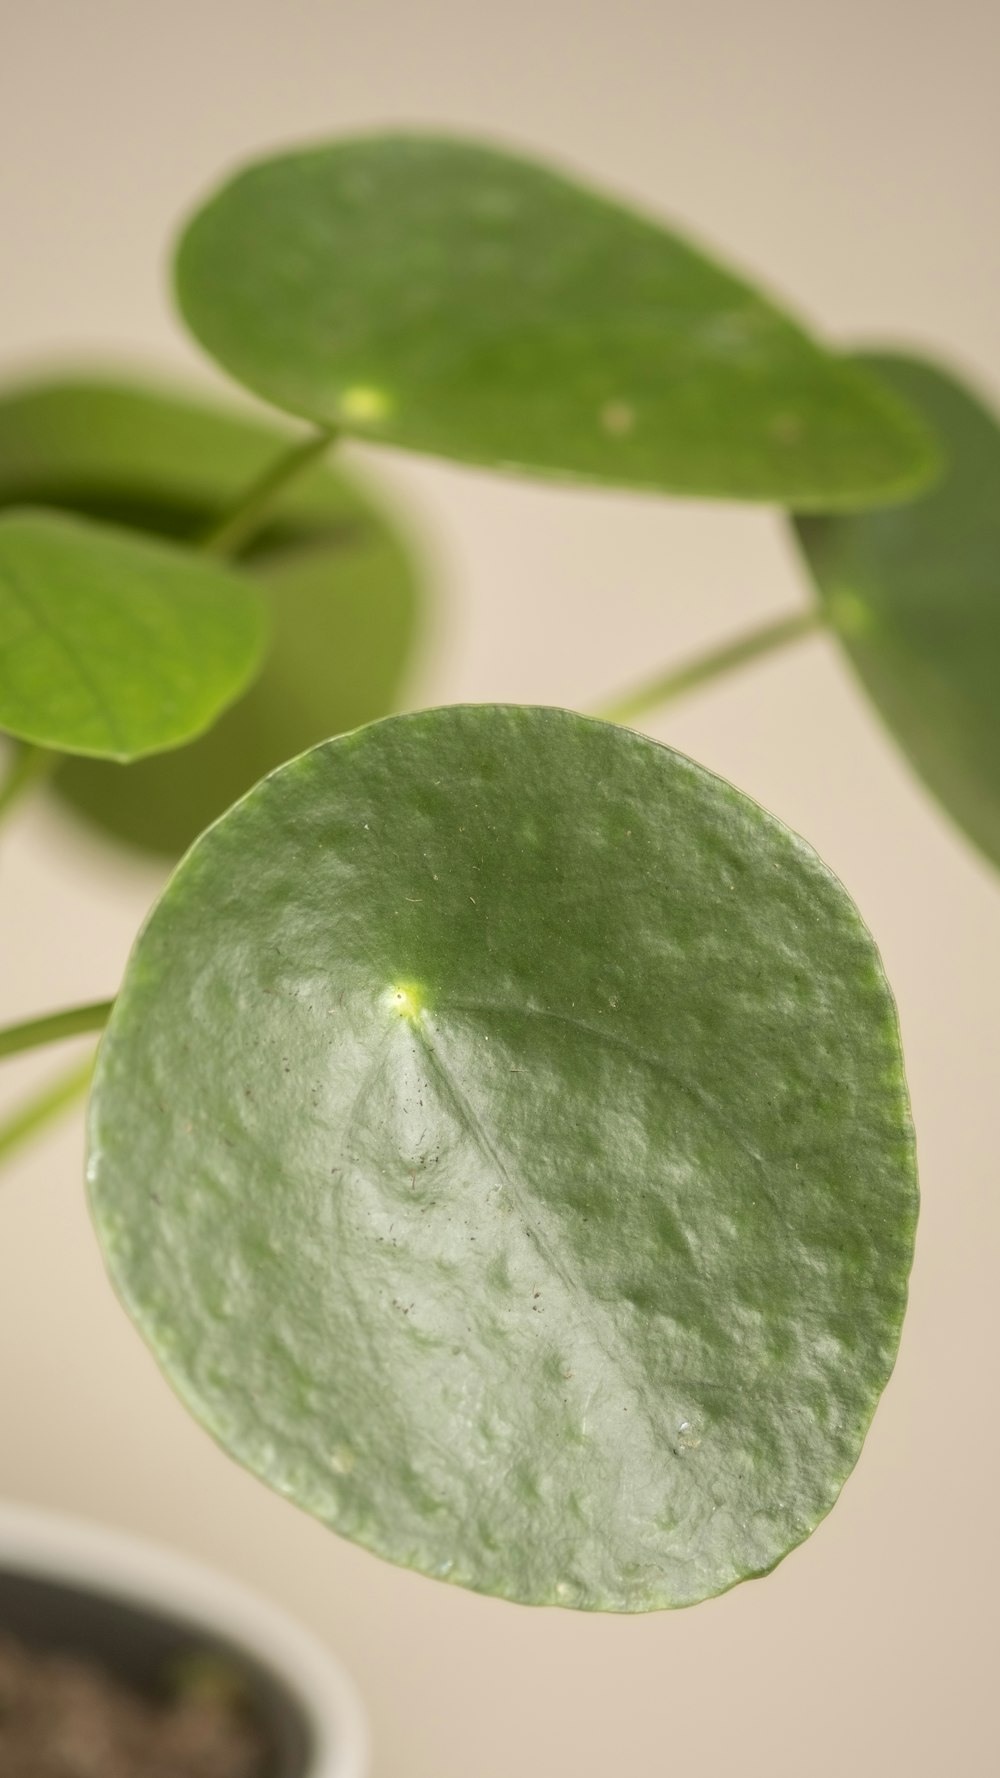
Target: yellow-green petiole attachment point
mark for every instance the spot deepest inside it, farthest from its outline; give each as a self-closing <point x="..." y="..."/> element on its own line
<point x="405" y="999"/>
<point x="363" y="402"/>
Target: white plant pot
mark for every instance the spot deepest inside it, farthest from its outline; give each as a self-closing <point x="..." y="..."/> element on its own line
<point x="307" y="1686"/>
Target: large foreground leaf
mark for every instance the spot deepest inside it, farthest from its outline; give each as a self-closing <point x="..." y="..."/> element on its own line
<point x="339" y="581"/>
<point x="501" y="1140"/>
<point x="451" y="298"/>
<point x="914" y="594"/>
<point x="114" y="645"/>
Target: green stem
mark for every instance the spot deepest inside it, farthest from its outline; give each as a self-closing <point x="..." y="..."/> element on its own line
<point x="665" y="687"/>
<point x="30" y="765"/>
<point x="40" y="1110"/>
<point x="56" y="1025"/>
<point x="230" y="534"/>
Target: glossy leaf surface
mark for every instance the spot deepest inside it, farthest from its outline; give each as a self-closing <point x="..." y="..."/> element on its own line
<point x="447" y="297"/>
<point x="501" y="1140"/>
<point x="114" y="645"/>
<point x="914" y="595"/>
<point x="339" y="581"/>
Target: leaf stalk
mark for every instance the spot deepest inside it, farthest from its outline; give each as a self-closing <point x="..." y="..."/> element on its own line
<point x="54" y="1027"/>
<point x="230" y="535"/>
<point x="666" y="687"/>
<point x="42" y="1108"/>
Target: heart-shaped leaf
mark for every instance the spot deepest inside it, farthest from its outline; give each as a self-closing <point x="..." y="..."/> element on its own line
<point x="447" y="297"/>
<point x="114" y="645"/>
<point x="340" y="583"/>
<point x="914" y="595"/>
<point x="501" y="1140"/>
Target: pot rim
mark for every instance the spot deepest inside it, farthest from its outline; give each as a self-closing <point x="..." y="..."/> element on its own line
<point x="102" y="1560"/>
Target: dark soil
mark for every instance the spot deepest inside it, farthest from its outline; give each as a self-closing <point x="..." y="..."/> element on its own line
<point x="61" y="1717"/>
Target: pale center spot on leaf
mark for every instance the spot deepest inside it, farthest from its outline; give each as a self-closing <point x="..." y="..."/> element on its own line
<point x="364" y="402"/>
<point x="618" y="418"/>
<point x="342" y="1460"/>
<point x="496" y="202"/>
<point x="786" y="428"/>
<point x="850" y="614"/>
<point x="405" y="999"/>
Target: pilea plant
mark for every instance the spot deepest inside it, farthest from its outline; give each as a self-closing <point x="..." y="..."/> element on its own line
<point x="500" y="1135"/>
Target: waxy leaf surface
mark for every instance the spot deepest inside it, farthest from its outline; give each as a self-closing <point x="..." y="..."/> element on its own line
<point x="914" y="596"/>
<point x="448" y="297"/>
<point x="501" y="1140"/>
<point x="339" y="581"/>
<point x="114" y="645"/>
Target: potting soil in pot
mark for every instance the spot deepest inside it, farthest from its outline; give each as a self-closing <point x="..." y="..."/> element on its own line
<point x="62" y="1717"/>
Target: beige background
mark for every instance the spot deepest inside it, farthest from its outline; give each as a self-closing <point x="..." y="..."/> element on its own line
<point x="849" y="154"/>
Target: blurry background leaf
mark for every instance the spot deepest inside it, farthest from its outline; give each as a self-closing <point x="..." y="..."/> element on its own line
<point x="914" y="595"/>
<point x="113" y="644"/>
<point x="341" y="585"/>
<point x="448" y="297"/>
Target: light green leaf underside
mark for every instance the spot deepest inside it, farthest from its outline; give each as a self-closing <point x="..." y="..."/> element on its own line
<point x="914" y="595"/>
<point x="340" y="583"/>
<point x="501" y="1140"/>
<point x="451" y="298"/>
<point x="113" y="645"/>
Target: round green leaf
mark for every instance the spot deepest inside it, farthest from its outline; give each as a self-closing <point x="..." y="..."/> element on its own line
<point x="914" y="595"/>
<point x="343" y="623"/>
<point x="116" y="646"/>
<point x="451" y="298"/>
<point x="341" y="587"/>
<point x="501" y="1140"/>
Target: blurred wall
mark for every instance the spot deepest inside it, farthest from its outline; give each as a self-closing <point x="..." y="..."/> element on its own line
<point x="849" y="156"/>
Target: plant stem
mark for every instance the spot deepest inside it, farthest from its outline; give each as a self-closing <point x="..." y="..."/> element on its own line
<point x="30" y="765"/>
<point x="38" y="1111"/>
<point x="56" y="1025"/>
<point x="665" y="687"/>
<point x="230" y="534"/>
